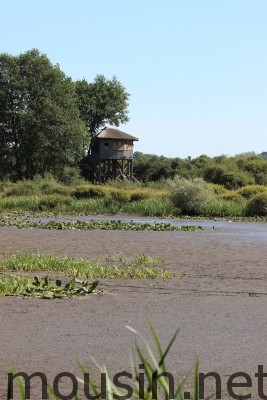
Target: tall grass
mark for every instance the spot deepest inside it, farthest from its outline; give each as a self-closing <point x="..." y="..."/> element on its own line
<point x="46" y="194"/>
<point x="224" y="208"/>
<point x="22" y="203"/>
<point x="164" y="199"/>
<point x="153" y="207"/>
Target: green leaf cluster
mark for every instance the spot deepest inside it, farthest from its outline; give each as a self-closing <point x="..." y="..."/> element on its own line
<point x="45" y="289"/>
<point x="46" y="119"/>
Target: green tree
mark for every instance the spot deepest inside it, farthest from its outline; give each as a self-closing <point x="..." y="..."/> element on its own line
<point x="102" y="102"/>
<point x="40" y="127"/>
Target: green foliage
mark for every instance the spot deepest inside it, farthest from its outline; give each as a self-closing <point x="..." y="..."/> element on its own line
<point x="45" y="289"/>
<point x="190" y="196"/>
<point x="93" y="225"/>
<point x="22" y="188"/>
<point x="29" y="203"/>
<point x="218" y="189"/>
<point x="119" y="197"/>
<point x="46" y="119"/>
<point x="257" y="205"/>
<point x="249" y="191"/>
<point x="152" y="206"/>
<point x="40" y="126"/>
<point x="88" y="191"/>
<point x="53" y="201"/>
<point x="232" y="196"/>
<point x="140" y="266"/>
<point x="70" y="176"/>
<point x="137" y="196"/>
<point x="231" y="179"/>
<point x="38" y="186"/>
<point x="235" y="179"/>
<point x="231" y="172"/>
<point x="12" y="284"/>
<point x="255" y="165"/>
<point x="102" y="102"/>
<point x="219" y="207"/>
<point x="149" y="167"/>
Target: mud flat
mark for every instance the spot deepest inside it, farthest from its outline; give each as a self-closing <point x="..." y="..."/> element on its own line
<point x="220" y="305"/>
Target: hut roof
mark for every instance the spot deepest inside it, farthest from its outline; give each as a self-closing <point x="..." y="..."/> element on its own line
<point x="111" y="133"/>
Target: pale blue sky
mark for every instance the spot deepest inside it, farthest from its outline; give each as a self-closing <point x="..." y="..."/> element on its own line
<point x="196" y="69"/>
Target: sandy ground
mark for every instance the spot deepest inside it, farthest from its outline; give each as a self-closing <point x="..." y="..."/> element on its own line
<point x="220" y="306"/>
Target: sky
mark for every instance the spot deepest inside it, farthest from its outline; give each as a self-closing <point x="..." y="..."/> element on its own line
<point x="196" y="70"/>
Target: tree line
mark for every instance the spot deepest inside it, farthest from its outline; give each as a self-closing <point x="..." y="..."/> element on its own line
<point x="47" y="119"/>
<point x="230" y="171"/>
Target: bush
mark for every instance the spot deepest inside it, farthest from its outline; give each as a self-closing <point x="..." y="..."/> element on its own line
<point x="257" y="205"/>
<point x="232" y="179"/>
<point x="218" y="189"/>
<point x="190" y="195"/>
<point x="4" y="186"/>
<point x="87" y="192"/>
<point x="119" y="197"/>
<point x="21" y="188"/>
<point x="251" y="190"/>
<point x="71" y="176"/>
<point x="232" y="196"/>
<point x="51" y="202"/>
<point x="139" y="196"/>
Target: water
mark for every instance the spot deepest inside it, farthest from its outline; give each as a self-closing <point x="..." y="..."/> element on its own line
<point x="247" y="229"/>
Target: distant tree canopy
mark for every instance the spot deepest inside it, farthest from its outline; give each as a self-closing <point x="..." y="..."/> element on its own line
<point x="231" y="172"/>
<point x="46" y="119"/>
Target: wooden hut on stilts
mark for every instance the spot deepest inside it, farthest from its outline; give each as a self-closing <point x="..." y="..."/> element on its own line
<point x="111" y="156"/>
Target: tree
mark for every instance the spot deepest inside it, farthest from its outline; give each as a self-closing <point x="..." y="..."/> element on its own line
<point x="102" y="102"/>
<point x="40" y="127"/>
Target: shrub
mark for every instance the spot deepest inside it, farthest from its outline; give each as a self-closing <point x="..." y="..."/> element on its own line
<point x="87" y="192"/>
<point x="257" y="205"/>
<point x="119" y="197"/>
<point x="232" y="196"/>
<point x="231" y="179"/>
<point x="236" y="179"/>
<point x="251" y="190"/>
<point x="4" y="186"/>
<point x="71" y="176"/>
<point x="218" y="189"/>
<point x="190" y="195"/>
<point x="52" y="201"/>
<point x="21" y="188"/>
<point x="139" y="196"/>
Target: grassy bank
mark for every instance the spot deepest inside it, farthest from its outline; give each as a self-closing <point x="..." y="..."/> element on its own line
<point x="157" y="200"/>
